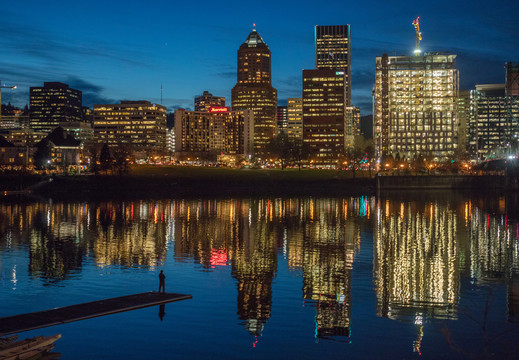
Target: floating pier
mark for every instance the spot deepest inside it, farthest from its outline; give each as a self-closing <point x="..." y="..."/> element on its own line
<point x="62" y="315"/>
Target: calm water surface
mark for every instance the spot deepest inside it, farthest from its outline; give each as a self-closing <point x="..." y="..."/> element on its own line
<point x="403" y="277"/>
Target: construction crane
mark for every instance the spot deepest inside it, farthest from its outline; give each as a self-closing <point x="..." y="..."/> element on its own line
<point x="418" y="35"/>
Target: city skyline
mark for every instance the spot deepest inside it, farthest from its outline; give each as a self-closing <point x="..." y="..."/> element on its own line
<point x="114" y="53"/>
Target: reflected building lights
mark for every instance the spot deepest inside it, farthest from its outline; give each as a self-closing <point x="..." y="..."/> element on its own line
<point x="416" y="262"/>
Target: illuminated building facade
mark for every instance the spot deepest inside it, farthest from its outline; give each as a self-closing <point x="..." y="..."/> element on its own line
<point x="352" y="125"/>
<point x="137" y="124"/>
<point x="254" y="90"/>
<point x="219" y="131"/>
<point x="52" y="104"/>
<point x="14" y="156"/>
<point x="489" y="127"/>
<point x="171" y="140"/>
<point x="22" y="137"/>
<point x="333" y="51"/>
<point x="282" y="118"/>
<point x="80" y="130"/>
<point x="463" y="111"/>
<point x="295" y="118"/>
<point x="65" y="150"/>
<point x="324" y="114"/>
<point x="415" y="105"/>
<point x="207" y="100"/>
<point x="14" y="121"/>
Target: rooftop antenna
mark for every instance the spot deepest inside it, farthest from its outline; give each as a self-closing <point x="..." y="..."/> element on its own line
<point x="161" y="93"/>
<point x="418" y="36"/>
<point x="254" y="27"/>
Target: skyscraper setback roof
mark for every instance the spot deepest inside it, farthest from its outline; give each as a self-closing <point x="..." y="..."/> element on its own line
<point x="254" y="39"/>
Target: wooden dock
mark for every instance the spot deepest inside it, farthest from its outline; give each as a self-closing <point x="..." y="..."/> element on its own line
<point x="62" y="315"/>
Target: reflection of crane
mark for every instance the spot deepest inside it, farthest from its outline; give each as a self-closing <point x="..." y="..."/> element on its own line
<point x="418" y="35"/>
<point x="2" y="86"/>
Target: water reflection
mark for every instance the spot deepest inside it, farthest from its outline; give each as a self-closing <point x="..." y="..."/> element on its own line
<point x="415" y="260"/>
<point x="421" y="249"/>
<point x="328" y="247"/>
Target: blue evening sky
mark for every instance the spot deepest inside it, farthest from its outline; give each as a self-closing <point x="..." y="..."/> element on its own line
<point x="116" y="51"/>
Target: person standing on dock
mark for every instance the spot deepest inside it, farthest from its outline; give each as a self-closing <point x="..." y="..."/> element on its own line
<point x="162" y="281"/>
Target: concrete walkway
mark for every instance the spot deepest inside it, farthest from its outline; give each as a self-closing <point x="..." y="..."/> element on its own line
<point x="58" y="316"/>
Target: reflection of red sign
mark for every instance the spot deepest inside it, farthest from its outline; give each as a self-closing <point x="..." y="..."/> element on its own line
<point x="219" y="109"/>
<point x="218" y="257"/>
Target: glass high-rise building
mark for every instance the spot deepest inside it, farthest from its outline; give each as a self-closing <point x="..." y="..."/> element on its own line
<point x="52" y="104"/>
<point x="491" y="128"/>
<point x="333" y="51"/>
<point x="254" y="90"/>
<point x="327" y="96"/>
<point x="415" y="105"/>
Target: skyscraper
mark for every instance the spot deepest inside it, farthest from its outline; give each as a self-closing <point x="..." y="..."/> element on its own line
<point x="52" y="104"/>
<point x="415" y="105"/>
<point x="327" y="96"/>
<point x="324" y="115"/>
<point x="254" y="90"/>
<point x="491" y="121"/>
<point x="333" y="51"/>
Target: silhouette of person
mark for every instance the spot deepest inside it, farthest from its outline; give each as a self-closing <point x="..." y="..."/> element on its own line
<point x="162" y="311"/>
<point x="162" y="281"/>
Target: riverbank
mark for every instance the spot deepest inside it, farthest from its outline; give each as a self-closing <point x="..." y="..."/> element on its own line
<point x="160" y="182"/>
<point x="174" y="182"/>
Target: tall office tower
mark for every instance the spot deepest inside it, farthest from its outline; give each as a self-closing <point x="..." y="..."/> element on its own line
<point x="52" y="104"/>
<point x="206" y="101"/>
<point x="324" y="115"/>
<point x="254" y="90"/>
<point x="490" y="129"/>
<point x="282" y="118"/>
<point x="415" y="105"/>
<point x="140" y="125"/>
<point x="295" y="118"/>
<point x="333" y="51"/>
<point x="327" y="95"/>
<point x="352" y="125"/>
<point x="463" y="111"/>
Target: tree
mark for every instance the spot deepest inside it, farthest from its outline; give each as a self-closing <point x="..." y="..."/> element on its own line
<point x="356" y="153"/>
<point x="105" y="158"/>
<point x="280" y="148"/>
<point x="93" y="153"/>
<point x="121" y="159"/>
<point x="42" y="155"/>
<point x="300" y="152"/>
<point x="369" y="150"/>
<point x="418" y="163"/>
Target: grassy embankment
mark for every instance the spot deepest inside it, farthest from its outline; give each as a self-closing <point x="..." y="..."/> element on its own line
<point x="179" y="181"/>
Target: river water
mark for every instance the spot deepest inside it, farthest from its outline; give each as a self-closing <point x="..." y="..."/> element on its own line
<point x="429" y="275"/>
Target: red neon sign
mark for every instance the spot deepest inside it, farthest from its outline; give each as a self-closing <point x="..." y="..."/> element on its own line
<point x="219" y="109"/>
